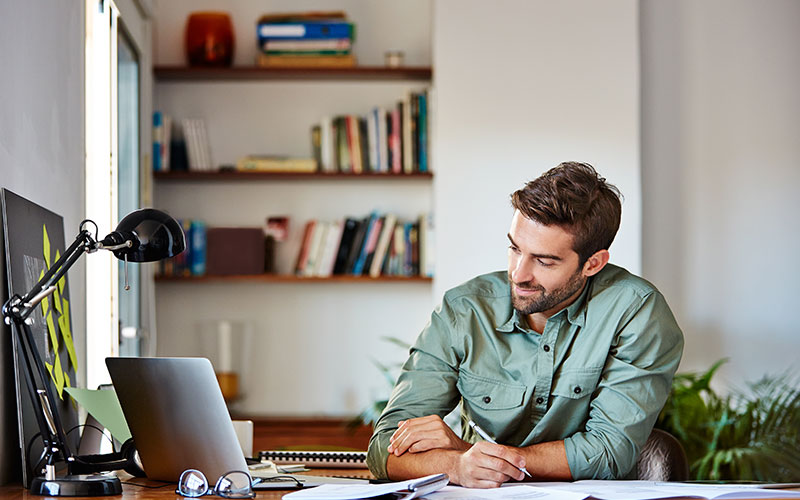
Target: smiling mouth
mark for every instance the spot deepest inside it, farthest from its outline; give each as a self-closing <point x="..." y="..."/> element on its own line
<point x="526" y="291"/>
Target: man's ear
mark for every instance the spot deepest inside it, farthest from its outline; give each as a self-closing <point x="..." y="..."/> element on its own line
<point x="595" y="263"/>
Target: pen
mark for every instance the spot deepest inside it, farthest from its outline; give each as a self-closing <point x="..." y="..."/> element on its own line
<point x="489" y="438"/>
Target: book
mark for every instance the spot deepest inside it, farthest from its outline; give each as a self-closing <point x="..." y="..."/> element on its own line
<point x="395" y="144"/>
<point x="358" y="265"/>
<point x="317" y="29"/>
<point x="317" y="237"/>
<point x="326" y="145"/>
<point x="353" y="143"/>
<point x="306" y="61"/>
<point x="158" y="141"/>
<point x="427" y="261"/>
<point x="357" y="244"/>
<point x="382" y="246"/>
<point x="383" y="141"/>
<point x="349" y="229"/>
<point x="302" y="255"/>
<point x="307" y="45"/>
<point x="197" y="247"/>
<point x="324" y="459"/>
<point x="422" y="132"/>
<point x="316" y="144"/>
<point x="401" y="490"/>
<point x="254" y="163"/>
<point x="371" y="245"/>
<point x="330" y="249"/>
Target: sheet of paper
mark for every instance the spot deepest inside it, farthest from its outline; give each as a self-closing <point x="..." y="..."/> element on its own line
<point x="351" y="491"/>
<point x="104" y="406"/>
<point x="513" y="492"/>
<point x="650" y="490"/>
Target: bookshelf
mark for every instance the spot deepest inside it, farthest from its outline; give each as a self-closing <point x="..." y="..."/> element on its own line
<point x="336" y="322"/>
<point x="291" y="278"/>
<point x="243" y="73"/>
<point x="267" y="176"/>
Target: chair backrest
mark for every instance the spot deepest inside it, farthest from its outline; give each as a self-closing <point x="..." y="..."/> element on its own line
<point x="662" y="459"/>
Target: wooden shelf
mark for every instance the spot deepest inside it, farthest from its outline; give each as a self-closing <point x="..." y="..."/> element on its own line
<point x="243" y="176"/>
<point x="290" y="278"/>
<point x="186" y="73"/>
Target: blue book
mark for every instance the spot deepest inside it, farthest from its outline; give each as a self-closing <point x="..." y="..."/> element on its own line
<point x="158" y="134"/>
<point x="304" y="30"/>
<point x="358" y="267"/>
<point x="198" y="248"/>
<point x="422" y="130"/>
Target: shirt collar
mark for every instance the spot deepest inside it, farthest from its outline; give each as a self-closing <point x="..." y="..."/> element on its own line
<point x="575" y="313"/>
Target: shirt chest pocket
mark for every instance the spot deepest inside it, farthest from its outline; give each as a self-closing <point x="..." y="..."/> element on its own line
<point x="576" y="384"/>
<point x="489" y="394"/>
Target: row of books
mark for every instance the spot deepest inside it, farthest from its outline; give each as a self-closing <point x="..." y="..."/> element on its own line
<point x="306" y="39"/>
<point x="180" y="146"/>
<point x="192" y="261"/>
<point x="392" y="139"/>
<point x="377" y="245"/>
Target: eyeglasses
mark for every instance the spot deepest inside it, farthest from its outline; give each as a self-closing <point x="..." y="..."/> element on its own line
<point x="233" y="484"/>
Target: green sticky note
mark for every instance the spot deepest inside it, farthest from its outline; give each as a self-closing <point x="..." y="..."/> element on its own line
<point x="46" y="245"/>
<point x="51" y="329"/>
<point x="66" y="334"/>
<point x="58" y="376"/>
<point x="57" y="301"/>
<point x="104" y="406"/>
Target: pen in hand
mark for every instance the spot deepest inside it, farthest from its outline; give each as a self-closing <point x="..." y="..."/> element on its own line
<point x="482" y="433"/>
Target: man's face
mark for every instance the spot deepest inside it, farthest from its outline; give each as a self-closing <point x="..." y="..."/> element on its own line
<point x="542" y="267"/>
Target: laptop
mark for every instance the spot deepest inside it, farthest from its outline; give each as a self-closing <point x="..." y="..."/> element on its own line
<point x="178" y="419"/>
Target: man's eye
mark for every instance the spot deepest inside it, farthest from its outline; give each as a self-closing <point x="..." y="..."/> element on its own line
<point x="513" y="248"/>
<point x="544" y="264"/>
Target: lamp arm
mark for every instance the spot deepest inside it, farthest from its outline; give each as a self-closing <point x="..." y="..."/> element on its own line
<point x="24" y="306"/>
<point x="16" y="311"/>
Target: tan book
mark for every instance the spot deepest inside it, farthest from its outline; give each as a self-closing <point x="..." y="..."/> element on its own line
<point x="307" y="61"/>
<point x="254" y="163"/>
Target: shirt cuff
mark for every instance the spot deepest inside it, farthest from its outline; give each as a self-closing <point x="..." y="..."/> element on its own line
<point x="378" y="454"/>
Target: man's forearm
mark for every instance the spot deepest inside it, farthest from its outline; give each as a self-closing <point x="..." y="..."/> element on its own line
<point x="412" y="465"/>
<point x="544" y="461"/>
<point x="547" y="461"/>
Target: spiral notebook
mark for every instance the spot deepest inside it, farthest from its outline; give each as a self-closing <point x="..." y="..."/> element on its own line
<point x="318" y="459"/>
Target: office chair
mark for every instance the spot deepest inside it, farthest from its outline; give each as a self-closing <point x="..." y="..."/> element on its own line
<point x="662" y="459"/>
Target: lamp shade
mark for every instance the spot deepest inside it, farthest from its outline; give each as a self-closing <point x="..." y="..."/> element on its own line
<point x="154" y="236"/>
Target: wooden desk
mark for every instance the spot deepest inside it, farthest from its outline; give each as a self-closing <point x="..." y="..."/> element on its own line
<point x="156" y="490"/>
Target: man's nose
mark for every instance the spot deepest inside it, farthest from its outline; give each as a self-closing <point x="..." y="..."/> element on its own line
<point x="522" y="271"/>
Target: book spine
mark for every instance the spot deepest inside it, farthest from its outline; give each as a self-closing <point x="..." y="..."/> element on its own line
<point x="300" y="31"/>
<point x="382" y="245"/>
<point x="422" y="132"/>
<point x="158" y="138"/>
<point x="302" y="255"/>
<point x="198" y="248"/>
<point x="358" y="266"/>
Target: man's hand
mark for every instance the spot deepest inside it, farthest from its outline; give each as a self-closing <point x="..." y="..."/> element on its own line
<point x="422" y="434"/>
<point x="488" y="465"/>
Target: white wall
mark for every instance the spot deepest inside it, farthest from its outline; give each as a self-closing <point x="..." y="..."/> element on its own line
<point x="521" y="87"/>
<point x="42" y="144"/>
<point x="720" y="148"/>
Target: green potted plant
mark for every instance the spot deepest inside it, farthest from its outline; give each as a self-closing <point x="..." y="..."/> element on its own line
<point x="747" y="435"/>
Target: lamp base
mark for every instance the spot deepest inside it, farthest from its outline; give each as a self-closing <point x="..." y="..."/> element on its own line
<point x="83" y="485"/>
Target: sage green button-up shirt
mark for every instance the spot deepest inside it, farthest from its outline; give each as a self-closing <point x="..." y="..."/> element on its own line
<point x="596" y="378"/>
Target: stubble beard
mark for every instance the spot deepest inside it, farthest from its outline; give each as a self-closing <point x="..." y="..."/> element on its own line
<point x="545" y="300"/>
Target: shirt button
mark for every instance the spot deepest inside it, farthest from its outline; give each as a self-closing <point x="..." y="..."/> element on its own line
<point x="546" y="348"/>
<point x="577" y="390"/>
<point x="487" y="399"/>
<point x="539" y="400"/>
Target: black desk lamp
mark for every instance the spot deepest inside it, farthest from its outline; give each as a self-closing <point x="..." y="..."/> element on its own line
<point x="142" y="236"/>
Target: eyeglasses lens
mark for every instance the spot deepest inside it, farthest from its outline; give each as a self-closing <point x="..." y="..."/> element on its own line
<point x="192" y="484"/>
<point x="236" y="484"/>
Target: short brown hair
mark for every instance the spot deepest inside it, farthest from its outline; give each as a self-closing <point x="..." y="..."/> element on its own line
<point x="575" y="197"/>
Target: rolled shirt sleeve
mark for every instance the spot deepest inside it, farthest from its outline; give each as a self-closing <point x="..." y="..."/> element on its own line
<point x="633" y="387"/>
<point x="426" y="386"/>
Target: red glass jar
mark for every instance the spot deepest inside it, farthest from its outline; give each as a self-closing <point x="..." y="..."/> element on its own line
<point x="209" y="39"/>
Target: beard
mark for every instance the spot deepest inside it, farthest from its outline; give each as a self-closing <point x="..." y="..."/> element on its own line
<point x="546" y="299"/>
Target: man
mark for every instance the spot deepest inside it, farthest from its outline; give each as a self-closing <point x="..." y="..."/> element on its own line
<point x="565" y="359"/>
